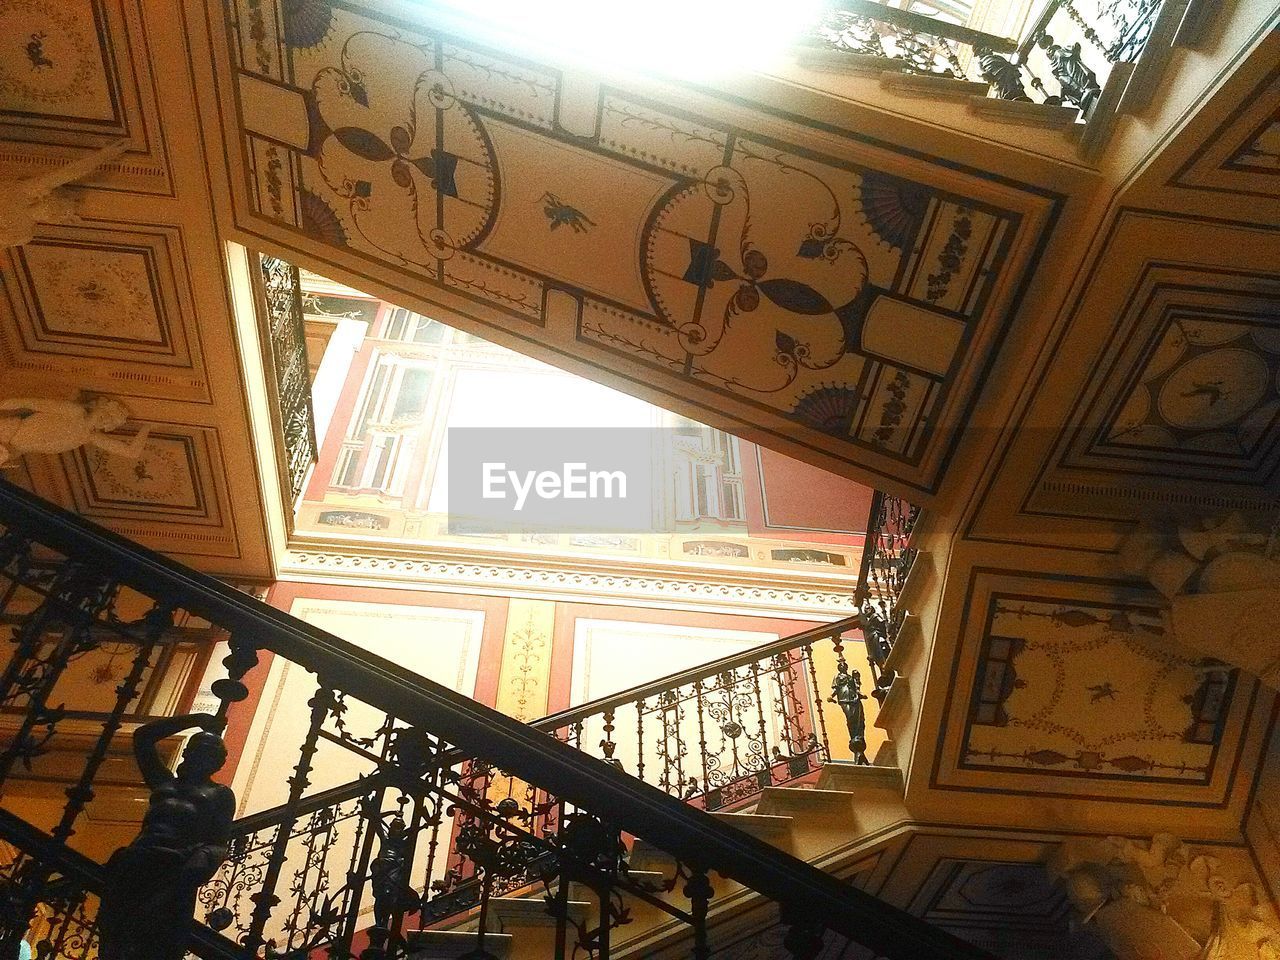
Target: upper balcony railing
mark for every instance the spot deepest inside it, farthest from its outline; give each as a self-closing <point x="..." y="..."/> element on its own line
<point x="280" y="292"/>
<point x="449" y="792"/>
<point x="887" y="557"/>
<point x="1063" y="59"/>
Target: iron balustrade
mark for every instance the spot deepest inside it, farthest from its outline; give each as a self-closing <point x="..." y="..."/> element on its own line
<point x="766" y="706"/>
<point x="1063" y="58"/>
<point x="718" y="734"/>
<point x="451" y="792"/>
<point x="887" y="556"/>
<point x="280" y="292"/>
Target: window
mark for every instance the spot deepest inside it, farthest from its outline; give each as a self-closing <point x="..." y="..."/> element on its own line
<point x="710" y="484"/>
<point x="372" y="402"/>
<point x="411" y="398"/>
<point x="397" y="324"/>
<point x="731" y="502"/>
<point x="346" y="473"/>
<point x="704" y="484"/>
<point x="413" y="327"/>
<point x="429" y="331"/>
<point x="381" y="438"/>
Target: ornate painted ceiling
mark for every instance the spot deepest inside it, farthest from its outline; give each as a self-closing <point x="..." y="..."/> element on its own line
<point x="1045" y="350"/>
<point x="804" y="285"/>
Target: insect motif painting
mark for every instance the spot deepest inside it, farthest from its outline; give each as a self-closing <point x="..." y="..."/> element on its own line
<point x="560" y="214"/>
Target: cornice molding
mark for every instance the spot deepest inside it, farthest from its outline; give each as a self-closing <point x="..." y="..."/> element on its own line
<point x="595" y="581"/>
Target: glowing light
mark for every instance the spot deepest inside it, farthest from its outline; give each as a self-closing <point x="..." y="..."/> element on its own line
<point x="682" y="38"/>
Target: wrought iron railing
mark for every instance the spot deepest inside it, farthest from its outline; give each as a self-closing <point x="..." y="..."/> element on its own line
<point x="451" y="792"/>
<point x="887" y="557"/>
<point x="281" y="293"/>
<point x="714" y="736"/>
<point x="1064" y="57"/>
<point x="718" y="734"/>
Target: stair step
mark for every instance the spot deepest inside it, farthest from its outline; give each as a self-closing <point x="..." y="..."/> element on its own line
<point x="931" y="86"/>
<point x="887" y="755"/>
<point x="831" y="60"/>
<point x="767" y="827"/>
<point x="852" y="777"/>
<point x="919" y="577"/>
<point x="798" y="801"/>
<point x="897" y="703"/>
<point x="1155" y="57"/>
<point x="653" y="880"/>
<point x="508" y="912"/>
<point x="1105" y="112"/>
<point x="1025" y="113"/>
<point x="645" y="856"/>
<point x="905" y="645"/>
<point x="1193" y="32"/>
<point x="454" y="944"/>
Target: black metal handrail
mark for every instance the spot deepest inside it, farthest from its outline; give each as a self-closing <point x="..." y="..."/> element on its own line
<point x="278" y="286"/>
<point x="887" y="558"/>
<point x="1076" y="48"/>
<point x="706" y="671"/>
<point x="599" y="793"/>
<point x="726" y="692"/>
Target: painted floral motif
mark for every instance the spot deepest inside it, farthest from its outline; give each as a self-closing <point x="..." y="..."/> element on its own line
<point x="952" y="257"/>
<point x="102" y="295"/>
<point x="50" y="58"/>
<point x="412" y="166"/>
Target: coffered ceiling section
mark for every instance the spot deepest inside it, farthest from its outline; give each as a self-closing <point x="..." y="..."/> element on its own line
<point x="781" y="279"/>
<point x="108" y="311"/>
<point x="1059" y="688"/>
<point x="75" y="75"/>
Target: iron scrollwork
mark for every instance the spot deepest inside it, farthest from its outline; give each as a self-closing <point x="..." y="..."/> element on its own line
<point x="282" y="291"/>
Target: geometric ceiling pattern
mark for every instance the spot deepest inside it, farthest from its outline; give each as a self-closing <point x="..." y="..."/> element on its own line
<point x="75" y="75"/>
<point x="822" y="291"/>
<point x="1014" y="910"/>
<point x="112" y="303"/>
<point x="1190" y="386"/>
<point x="1061" y="688"/>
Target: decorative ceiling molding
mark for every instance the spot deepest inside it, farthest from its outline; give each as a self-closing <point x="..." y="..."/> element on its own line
<point x="109" y="307"/>
<point x="1171" y="398"/>
<point x="1062" y="687"/>
<point x="599" y="580"/>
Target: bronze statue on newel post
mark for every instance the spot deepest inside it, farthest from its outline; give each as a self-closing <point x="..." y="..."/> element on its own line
<point x="846" y="693"/>
<point x="150" y="893"/>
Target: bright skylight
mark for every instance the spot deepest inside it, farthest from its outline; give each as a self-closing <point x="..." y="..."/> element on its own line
<point x="696" y="39"/>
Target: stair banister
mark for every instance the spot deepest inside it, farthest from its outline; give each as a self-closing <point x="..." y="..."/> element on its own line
<point x="693" y="837"/>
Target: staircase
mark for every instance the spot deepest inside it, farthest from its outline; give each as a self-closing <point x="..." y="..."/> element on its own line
<point x="1012" y="80"/>
<point x="468" y="833"/>
<point x="814" y="823"/>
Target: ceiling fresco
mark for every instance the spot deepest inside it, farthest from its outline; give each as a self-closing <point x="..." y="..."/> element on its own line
<point x="1060" y="685"/>
<point x="810" y="286"/>
<point x="64" y="65"/>
<point x="74" y="73"/>
<point x="108" y="303"/>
